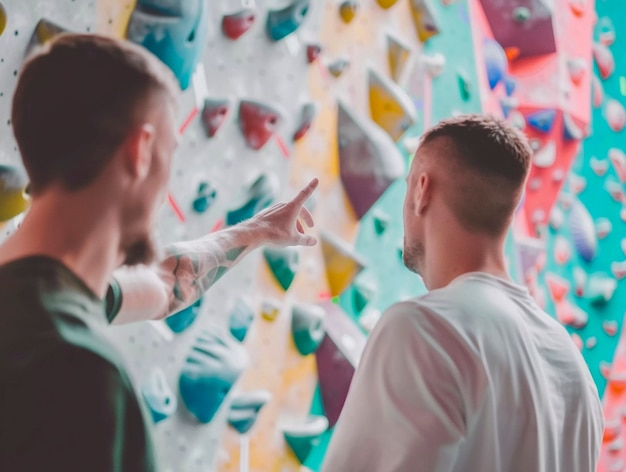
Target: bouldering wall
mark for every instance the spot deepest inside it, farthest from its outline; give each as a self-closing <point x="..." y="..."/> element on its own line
<point x="254" y="375"/>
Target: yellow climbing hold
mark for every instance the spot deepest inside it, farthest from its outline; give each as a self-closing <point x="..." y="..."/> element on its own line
<point x="387" y="3"/>
<point x="391" y="108"/>
<point x="13" y="197"/>
<point x="3" y="18"/>
<point x="424" y="19"/>
<point x="347" y="10"/>
<point x="398" y="55"/>
<point x="342" y="264"/>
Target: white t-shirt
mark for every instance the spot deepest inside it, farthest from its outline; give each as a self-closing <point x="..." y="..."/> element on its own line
<point x="473" y="377"/>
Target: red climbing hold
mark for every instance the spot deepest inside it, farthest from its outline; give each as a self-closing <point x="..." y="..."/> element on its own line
<point x="214" y="114"/>
<point x="557" y="287"/>
<point x="258" y="122"/>
<point x="235" y="25"/>
<point x="312" y="52"/>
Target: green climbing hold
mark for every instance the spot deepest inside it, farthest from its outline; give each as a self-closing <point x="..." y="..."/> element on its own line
<point x="363" y="290"/>
<point x="465" y="87"/>
<point x="302" y="438"/>
<point x="601" y="289"/>
<point x="283" y="263"/>
<point x="381" y="222"/>
<point x="307" y="327"/>
<point x="521" y="14"/>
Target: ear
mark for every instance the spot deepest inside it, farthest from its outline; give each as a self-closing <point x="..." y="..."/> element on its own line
<point x="139" y="151"/>
<point x="422" y="194"/>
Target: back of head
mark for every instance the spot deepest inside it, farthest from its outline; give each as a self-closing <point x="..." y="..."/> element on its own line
<point x="76" y="101"/>
<point x="483" y="163"/>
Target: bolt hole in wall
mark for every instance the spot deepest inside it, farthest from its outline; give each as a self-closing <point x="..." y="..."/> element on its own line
<point x="358" y="139"/>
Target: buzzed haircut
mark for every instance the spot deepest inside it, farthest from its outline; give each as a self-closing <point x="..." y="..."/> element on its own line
<point x="75" y="103"/>
<point x="488" y="160"/>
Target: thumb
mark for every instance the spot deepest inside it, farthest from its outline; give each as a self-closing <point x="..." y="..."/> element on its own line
<point x="307" y="241"/>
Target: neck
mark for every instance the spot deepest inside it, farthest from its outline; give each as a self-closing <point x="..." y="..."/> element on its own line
<point x="74" y="228"/>
<point x="458" y="252"/>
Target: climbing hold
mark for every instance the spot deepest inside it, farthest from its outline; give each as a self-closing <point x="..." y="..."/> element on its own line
<point x="390" y="106"/>
<point x="411" y="144"/>
<point x="610" y="327"/>
<point x="245" y="408"/>
<point x="214" y="364"/>
<point x="615" y="190"/>
<point x="158" y="396"/>
<point x="562" y="250"/>
<point x="270" y="309"/>
<point x="599" y="166"/>
<point x="535" y="144"/>
<point x="214" y="114"/>
<point x="398" y="55"/>
<point x="604" y="59"/>
<point x="580" y="281"/>
<point x="307" y="114"/>
<point x="521" y="14"/>
<point x="369" y="318"/>
<point x="510" y="84"/>
<point x="526" y="28"/>
<point x="618" y="159"/>
<point x="180" y="321"/>
<point x="578" y="7"/>
<point x="571" y="130"/>
<point x="342" y="264"/>
<point x="281" y="23"/>
<point x="303" y="437"/>
<point x="600" y="289"/>
<point x="591" y="342"/>
<point x="558" y="175"/>
<point x="312" y="52"/>
<point x="557" y="217"/>
<point x="423" y="15"/>
<point x="386" y="3"/>
<point x="583" y="231"/>
<point x="603" y="227"/>
<point x="13" y="194"/>
<point x="598" y="91"/>
<point x="570" y="315"/>
<point x="612" y="427"/>
<point x="236" y="24"/>
<point x="618" y="269"/>
<point x="534" y="184"/>
<point x="348" y="10"/>
<point x="557" y="287"/>
<point x="283" y="263"/>
<point x="241" y="317"/>
<point x="606" y="31"/>
<point x="496" y="62"/>
<point x="542" y="120"/>
<point x="516" y="119"/>
<point x="173" y="31"/>
<point x="338" y="67"/>
<point x="257" y="197"/>
<point x="546" y="156"/>
<point x="434" y="64"/>
<point x="578" y="342"/>
<point x="615" y="115"/>
<point x="381" y="221"/>
<point x="206" y="196"/>
<point x="576" y="66"/>
<point x="369" y="161"/>
<point x="258" y="122"/>
<point x="577" y="184"/>
<point x="44" y="31"/>
<point x="307" y="327"/>
<point x="465" y="87"/>
<point x="337" y="358"/>
<point x="363" y="290"/>
<point x="3" y="19"/>
<point x="508" y="104"/>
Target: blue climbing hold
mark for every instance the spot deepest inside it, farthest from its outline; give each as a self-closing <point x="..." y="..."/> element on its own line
<point x="179" y="322"/>
<point x="158" y="396"/>
<point x="495" y="61"/>
<point x="510" y="84"/>
<point x="303" y="438"/>
<point x="214" y="364"/>
<point x="206" y="196"/>
<point x="281" y="23"/>
<point x="173" y="30"/>
<point x="245" y="408"/>
<point x="259" y="196"/>
<point x="241" y="318"/>
<point x="284" y="263"/>
<point x="307" y="327"/>
<point x="542" y="120"/>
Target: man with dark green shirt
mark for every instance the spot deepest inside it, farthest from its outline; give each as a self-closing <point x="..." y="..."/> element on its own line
<point x="94" y="119"/>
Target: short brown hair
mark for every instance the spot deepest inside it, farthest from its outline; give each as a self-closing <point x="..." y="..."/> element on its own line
<point x="490" y="160"/>
<point x="76" y="101"/>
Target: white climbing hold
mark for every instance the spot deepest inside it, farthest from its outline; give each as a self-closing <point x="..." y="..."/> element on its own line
<point x="604" y="58"/>
<point x="618" y="159"/>
<point x="577" y="183"/>
<point x="570" y="315"/>
<point x="610" y="327"/>
<point x="562" y="250"/>
<point x="615" y="190"/>
<point x="434" y="64"/>
<point x="557" y="217"/>
<point x="576" y="66"/>
<point x="534" y="184"/>
<point x="578" y="342"/>
<point x="591" y="342"/>
<point x="615" y="115"/>
<point x="558" y="175"/>
<point x="603" y="227"/>
<point x="517" y="120"/>
<point x="580" y="280"/>
<point x="546" y="156"/>
<point x="598" y="91"/>
<point x="599" y="166"/>
<point x="618" y="269"/>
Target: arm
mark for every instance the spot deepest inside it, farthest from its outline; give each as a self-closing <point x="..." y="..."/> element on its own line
<point x="405" y="409"/>
<point x="190" y="268"/>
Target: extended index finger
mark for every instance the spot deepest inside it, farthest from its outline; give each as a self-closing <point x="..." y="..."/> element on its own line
<point x="305" y="193"/>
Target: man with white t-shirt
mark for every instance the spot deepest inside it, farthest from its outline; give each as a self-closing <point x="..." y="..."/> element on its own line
<point x="473" y="376"/>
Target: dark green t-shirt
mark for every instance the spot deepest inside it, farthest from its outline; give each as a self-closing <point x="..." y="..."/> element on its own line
<point x="66" y="401"/>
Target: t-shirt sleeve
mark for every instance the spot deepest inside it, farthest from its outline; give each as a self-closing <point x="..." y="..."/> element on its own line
<point x="113" y="300"/>
<point x="70" y="416"/>
<point x="405" y="409"/>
